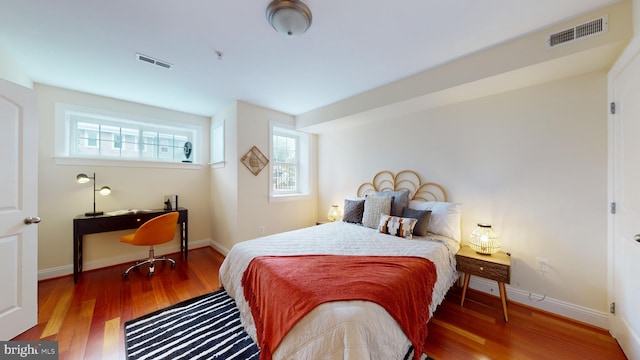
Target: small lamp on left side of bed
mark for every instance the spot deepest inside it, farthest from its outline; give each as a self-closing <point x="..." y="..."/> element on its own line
<point x="484" y="240"/>
<point x="334" y="213"/>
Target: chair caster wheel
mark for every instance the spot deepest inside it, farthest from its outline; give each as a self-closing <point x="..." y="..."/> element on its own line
<point x="125" y="275"/>
<point x="150" y="274"/>
<point x="173" y="265"/>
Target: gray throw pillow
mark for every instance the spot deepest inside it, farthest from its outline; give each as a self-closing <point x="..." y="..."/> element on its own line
<point x="353" y="210"/>
<point x="423" y="216"/>
<point x="399" y="202"/>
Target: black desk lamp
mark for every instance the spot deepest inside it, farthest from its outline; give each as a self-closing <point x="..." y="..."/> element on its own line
<point x="104" y="191"/>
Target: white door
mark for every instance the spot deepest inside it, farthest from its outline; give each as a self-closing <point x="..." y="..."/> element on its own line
<point x="624" y="88"/>
<point x="18" y="201"/>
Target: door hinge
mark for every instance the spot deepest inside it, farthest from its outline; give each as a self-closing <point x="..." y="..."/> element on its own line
<point x="612" y="107"/>
<point x="612" y="308"/>
<point x="613" y="208"/>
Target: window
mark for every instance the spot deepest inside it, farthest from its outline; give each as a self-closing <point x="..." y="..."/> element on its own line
<point x="93" y="133"/>
<point x="289" y="162"/>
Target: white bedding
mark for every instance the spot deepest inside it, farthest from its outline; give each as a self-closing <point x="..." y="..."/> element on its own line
<point x="344" y="329"/>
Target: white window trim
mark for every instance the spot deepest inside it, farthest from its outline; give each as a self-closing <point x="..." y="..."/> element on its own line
<point x="217" y="144"/>
<point x="304" y="156"/>
<point x="62" y="129"/>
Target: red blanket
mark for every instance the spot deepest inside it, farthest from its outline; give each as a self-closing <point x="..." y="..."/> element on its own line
<point x="282" y="289"/>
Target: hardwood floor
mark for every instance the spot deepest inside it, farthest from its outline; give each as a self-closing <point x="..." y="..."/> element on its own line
<point x="478" y="331"/>
<point x="87" y="319"/>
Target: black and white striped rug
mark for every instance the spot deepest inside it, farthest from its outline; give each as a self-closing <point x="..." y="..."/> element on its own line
<point x="205" y="327"/>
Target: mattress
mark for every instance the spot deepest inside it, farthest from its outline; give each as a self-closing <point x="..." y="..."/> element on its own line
<point x="343" y="329"/>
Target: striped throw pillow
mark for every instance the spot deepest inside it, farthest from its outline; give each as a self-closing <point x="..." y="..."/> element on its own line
<point x="397" y="226"/>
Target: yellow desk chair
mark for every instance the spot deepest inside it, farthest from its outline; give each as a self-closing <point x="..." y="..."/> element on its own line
<point x="158" y="230"/>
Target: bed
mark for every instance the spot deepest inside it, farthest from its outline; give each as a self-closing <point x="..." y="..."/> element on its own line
<point x="357" y="329"/>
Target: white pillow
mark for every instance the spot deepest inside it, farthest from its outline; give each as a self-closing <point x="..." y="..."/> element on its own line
<point x="445" y="217"/>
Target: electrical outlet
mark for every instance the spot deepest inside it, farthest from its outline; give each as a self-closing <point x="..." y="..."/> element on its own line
<point x="543" y="264"/>
<point x="261" y="230"/>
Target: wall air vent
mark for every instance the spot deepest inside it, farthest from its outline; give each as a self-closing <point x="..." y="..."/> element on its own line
<point x="150" y="60"/>
<point x="585" y="30"/>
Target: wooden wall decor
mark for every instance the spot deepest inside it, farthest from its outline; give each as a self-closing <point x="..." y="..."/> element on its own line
<point x="254" y="160"/>
<point x="404" y="180"/>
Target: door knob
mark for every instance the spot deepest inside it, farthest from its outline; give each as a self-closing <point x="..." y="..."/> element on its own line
<point x="32" y="220"/>
<point x="637" y="238"/>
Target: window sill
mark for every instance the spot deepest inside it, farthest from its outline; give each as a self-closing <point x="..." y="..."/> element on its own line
<point x="63" y="160"/>
<point x="289" y="197"/>
<point x="217" y="165"/>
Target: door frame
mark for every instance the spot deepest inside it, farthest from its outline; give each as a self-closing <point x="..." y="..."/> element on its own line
<point x="624" y="336"/>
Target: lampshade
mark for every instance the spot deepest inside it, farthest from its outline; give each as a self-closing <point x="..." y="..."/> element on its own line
<point x="289" y="17"/>
<point x="484" y="240"/>
<point x="82" y="178"/>
<point x="334" y="213"/>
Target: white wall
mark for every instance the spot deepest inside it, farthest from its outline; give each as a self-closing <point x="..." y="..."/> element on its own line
<point x="531" y="162"/>
<point x="224" y="184"/>
<point x="255" y="208"/>
<point x="244" y="206"/>
<point x="61" y="198"/>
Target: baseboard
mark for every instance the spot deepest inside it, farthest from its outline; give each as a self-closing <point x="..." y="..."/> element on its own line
<point x="221" y="249"/>
<point x="55" y="272"/>
<point x="555" y="306"/>
<point x="629" y="340"/>
<point x="139" y="253"/>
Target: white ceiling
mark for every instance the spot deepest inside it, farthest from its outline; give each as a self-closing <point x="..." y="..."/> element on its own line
<point x="351" y="47"/>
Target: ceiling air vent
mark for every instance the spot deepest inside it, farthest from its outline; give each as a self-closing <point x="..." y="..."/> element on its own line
<point x="150" y="60"/>
<point x="590" y="28"/>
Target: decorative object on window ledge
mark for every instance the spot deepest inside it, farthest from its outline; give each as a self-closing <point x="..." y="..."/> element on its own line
<point x="334" y="213"/>
<point x="484" y="240"/>
<point x="188" y="149"/>
<point x="104" y="191"/>
<point x="289" y="17"/>
<point x="254" y="160"/>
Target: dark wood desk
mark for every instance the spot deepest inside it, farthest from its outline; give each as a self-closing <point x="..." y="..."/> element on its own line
<point x="83" y="225"/>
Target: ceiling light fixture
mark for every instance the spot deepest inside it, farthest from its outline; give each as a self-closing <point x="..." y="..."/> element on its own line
<point x="289" y="17"/>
